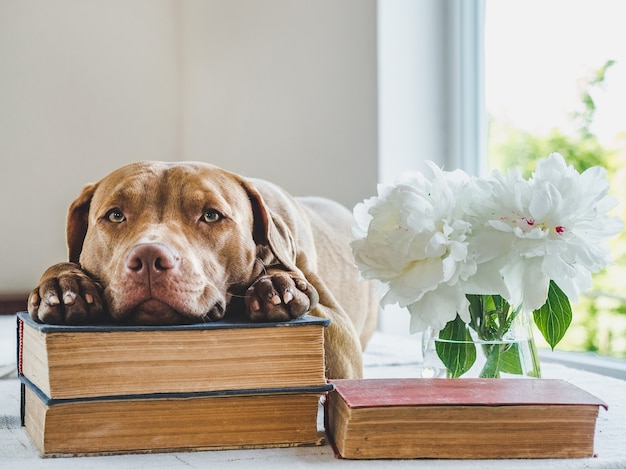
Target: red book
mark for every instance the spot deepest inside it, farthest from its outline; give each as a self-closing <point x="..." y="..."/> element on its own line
<point x="461" y="419"/>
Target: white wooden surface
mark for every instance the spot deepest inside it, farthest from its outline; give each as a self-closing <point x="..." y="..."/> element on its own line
<point x="387" y="356"/>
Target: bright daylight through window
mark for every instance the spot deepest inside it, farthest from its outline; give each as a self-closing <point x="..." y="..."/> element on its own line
<point x="555" y="74"/>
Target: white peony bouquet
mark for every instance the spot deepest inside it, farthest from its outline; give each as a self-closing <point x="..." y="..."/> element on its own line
<point x="438" y="242"/>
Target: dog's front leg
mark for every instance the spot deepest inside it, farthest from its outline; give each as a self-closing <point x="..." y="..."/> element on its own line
<point x="279" y="295"/>
<point x="66" y="295"/>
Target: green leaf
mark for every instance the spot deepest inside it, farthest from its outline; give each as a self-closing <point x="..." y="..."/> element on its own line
<point x="555" y="316"/>
<point x="510" y="360"/>
<point x="456" y="348"/>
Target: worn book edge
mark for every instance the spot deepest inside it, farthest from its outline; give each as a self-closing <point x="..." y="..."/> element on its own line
<point x="466" y="391"/>
<point x="49" y="402"/>
<point x="222" y="324"/>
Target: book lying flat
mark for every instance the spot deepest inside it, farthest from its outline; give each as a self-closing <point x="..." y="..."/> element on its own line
<point x="460" y="419"/>
<point x="174" y="422"/>
<point x="82" y="361"/>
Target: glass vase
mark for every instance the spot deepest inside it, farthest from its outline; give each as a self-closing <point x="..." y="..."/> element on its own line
<point x="512" y="354"/>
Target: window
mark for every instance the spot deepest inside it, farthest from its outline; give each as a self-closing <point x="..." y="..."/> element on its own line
<point x="554" y="75"/>
<point x="442" y="99"/>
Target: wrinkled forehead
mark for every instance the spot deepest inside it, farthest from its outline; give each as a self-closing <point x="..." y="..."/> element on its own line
<point x="164" y="183"/>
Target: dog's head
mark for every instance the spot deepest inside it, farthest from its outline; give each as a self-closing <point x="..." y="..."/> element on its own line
<point x="173" y="242"/>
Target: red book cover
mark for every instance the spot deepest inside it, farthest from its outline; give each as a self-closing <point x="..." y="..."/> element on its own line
<point x="441" y="392"/>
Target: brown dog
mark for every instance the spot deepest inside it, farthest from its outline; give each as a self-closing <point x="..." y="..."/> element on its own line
<point x="169" y="243"/>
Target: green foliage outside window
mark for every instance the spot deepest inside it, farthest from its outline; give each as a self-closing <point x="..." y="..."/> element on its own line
<point x="599" y="323"/>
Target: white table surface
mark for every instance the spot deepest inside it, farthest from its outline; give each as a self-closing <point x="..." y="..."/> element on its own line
<point x="386" y="356"/>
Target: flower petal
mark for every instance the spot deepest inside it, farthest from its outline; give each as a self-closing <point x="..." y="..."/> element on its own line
<point x="435" y="309"/>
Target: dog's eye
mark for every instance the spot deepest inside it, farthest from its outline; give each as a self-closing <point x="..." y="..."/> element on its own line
<point x="115" y="216"/>
<point x="211" y="216"/>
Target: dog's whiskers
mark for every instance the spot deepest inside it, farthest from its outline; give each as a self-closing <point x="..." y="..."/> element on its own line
<point x="234" y="295"/>
<point x="263" y="266"/>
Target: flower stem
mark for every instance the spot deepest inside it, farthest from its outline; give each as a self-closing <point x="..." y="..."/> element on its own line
<point x="491" y="318"/>
<point x="491" y="369"/>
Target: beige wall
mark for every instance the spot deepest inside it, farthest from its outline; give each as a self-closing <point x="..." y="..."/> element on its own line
<point x="284" y="90"/>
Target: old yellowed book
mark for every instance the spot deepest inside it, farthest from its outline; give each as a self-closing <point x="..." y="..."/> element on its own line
<point x="461" y="419"/>
<point x="81" y="361"/>
<point x="178" y="422"/>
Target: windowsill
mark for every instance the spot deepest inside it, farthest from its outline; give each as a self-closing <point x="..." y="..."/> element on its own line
<point x="586" y="361"/>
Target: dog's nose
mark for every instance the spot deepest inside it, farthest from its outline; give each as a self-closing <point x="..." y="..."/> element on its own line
<point x="149" y="261"/>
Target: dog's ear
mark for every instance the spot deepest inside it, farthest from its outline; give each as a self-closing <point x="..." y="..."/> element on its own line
<point x="269" y="230"/>
<point x="78" y="221"/>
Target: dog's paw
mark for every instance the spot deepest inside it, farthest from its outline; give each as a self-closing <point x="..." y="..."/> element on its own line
<point x="66" y="295"/>
<point x="280" y="296"/>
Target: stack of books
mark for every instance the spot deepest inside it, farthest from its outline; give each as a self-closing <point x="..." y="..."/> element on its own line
<point x="120" y="389"/>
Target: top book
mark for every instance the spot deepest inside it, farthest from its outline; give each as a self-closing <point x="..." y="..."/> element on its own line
<point x="67" y="362"/>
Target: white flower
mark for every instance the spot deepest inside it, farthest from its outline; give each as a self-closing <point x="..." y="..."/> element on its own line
<point x="551" y="227"/>
<point x="433" y="240"/>
<point x="412" y="237"/>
